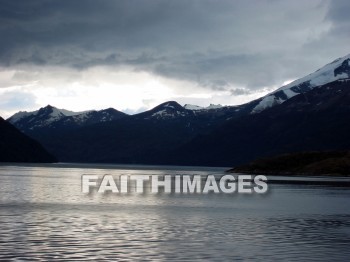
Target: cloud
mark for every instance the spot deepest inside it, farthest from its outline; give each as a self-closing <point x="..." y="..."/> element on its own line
<point x="339" y="13"/>
<point x="231" y="41"/>
<point x="218" y="47"/>
<point x="15" y="100"/>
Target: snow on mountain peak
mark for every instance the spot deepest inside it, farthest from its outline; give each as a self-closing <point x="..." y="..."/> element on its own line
<point x="169" y="109"/>
<point x="212" y="106"/>
<point x="336" y="70"/>
<point x="48" y="114"/>
<point x="323" y="75"/>
<point x="194" y="107"/>
<point x="21" y="114"/>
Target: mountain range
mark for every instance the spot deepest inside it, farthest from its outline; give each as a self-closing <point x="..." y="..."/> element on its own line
<point x="311" y="113"/>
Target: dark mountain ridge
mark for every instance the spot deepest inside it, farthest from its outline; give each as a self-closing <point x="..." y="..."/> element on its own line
<point x="17" y="147"/>
<point x="303" y="163"/>
<point x="52" y="119"/>
<point x="311" y="113"/>
<point x="316" y="120"/>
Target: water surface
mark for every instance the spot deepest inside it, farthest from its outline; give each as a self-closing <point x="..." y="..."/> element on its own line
<point x="44" y="216"/>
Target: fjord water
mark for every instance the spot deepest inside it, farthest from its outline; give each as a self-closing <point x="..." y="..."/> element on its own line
<point x="45" y="216"/>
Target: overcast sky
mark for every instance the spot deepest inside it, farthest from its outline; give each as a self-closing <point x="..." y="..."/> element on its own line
<point x="133" y="55"/>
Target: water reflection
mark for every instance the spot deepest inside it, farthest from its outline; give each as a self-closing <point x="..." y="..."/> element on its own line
<point x="44" y="215"/>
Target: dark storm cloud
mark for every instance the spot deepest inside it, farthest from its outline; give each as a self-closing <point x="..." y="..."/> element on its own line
<point x="240" y="91"/>
<point x="339" y="16"/>
<point x="339" y="13"/>
<point x="214" y="43"/>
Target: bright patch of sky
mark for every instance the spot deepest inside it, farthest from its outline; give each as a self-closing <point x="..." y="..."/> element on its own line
<point x="133" y="55"/>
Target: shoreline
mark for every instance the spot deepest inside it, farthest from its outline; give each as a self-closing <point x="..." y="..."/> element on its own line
<point x="292" y="174"/>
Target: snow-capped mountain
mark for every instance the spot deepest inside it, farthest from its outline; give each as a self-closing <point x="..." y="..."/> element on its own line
<point x="311" y="113"/>
<point x="52" y="117"/>
<point x="167" y="110"/>
<point x="48" y="115"/>
<point x="173" y="110"/>
<point x="90" y="117"/>
<point x="317" y="120"/>
<point x="195" y="108"/>
<point x="339" y="69"/>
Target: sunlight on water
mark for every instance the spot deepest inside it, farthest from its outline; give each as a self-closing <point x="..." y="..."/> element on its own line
<point x="44" y="215"/>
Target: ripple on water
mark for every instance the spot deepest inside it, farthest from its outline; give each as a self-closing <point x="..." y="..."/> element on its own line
<point x="44" y="217"/>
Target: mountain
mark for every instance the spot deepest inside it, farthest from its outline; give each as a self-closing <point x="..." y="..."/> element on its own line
<point x="51" y="118"/>
<point x="194" y="107"/>
<point x="339" y="69"/>
<point x="209" y="116"/>
<point x="55" y="119"/>
<point x="336" y="70"/>
<point x="40" y="118"/>
<point x="304" y="163"/>
<point x="164" y="111"/>
<point x="17" y="147"/>
<point x="311" y="113"/>
<point x="139" y="138"/>
<point x="316" y="120"/>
